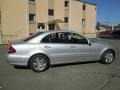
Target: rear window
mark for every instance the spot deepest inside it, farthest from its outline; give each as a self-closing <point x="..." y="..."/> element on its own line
<point x="32" y="36"/>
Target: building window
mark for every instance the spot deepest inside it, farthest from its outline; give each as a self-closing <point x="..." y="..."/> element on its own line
<point x="66" y="3"/>
<point x="84" y="7"/>
<point x="32" y="0"/>
<point x="50" y="12"/>
<point x="41" y="25"/>
<point x="66" y="19"/>
<point x="83" y="22"/>
<point x="31" y="17"/>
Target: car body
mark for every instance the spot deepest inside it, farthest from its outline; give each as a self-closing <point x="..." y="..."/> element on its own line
<point x="43" y="49"/>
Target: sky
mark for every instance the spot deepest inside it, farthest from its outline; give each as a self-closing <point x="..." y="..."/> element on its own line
<point x="108" y="11"/>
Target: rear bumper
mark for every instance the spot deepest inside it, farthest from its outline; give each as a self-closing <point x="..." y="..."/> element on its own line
<point x="16" y="59"/>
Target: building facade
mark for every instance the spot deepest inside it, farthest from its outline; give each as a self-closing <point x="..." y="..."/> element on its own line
<point x="21" y="18"/>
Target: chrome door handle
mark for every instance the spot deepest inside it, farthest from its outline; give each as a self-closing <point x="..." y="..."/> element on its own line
<point x="72" y="46"/>
<point x="47" y="47"/>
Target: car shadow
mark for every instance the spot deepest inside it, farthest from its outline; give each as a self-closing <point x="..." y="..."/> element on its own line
<point x="105" y="37"/>
<point x="58" y="65"/>
<point x="71" y="64"/>
<point x="21" y="67"/>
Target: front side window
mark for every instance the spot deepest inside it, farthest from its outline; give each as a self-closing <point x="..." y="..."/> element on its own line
<point x="77" y="39"/>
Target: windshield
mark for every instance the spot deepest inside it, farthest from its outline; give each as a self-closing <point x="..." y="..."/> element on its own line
<point x="32" y="36"/>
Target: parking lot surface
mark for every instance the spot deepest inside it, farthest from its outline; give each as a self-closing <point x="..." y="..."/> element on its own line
<point x="82" y="76"/>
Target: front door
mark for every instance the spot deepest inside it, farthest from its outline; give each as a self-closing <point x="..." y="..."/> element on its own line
<point x="81" y="50"/>
<point x="51" y="26"/>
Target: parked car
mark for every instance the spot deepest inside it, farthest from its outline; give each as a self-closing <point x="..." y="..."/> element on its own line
<point x="44" y="49"/>
<point x="115" y="34"/>
<point x="105" y="33"/>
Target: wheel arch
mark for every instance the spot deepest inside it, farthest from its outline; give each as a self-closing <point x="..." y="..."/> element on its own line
<point x="37" y="54"/>
<point x="107" y="50"/>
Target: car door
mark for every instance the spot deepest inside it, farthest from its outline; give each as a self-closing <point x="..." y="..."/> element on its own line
<point x="55" y="46"/>
<point x="81" y="50"/>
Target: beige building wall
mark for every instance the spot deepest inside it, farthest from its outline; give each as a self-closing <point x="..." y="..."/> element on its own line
<point x="75" y="16"/>
<point x="32" y="10"/>
<point x="90" y="20"/>
<point x="59" y="11"/>
<point x="51" y="4"/>
<point x="0" y="22"/>
<point x="14" y="17"/>
<point x="15" y="22"/>
<point x="41" y="12"/>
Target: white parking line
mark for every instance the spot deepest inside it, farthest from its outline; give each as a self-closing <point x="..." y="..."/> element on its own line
<point x="0" y="87"/>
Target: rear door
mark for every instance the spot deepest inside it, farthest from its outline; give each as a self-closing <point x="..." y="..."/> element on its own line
<point x="56" y="46"/>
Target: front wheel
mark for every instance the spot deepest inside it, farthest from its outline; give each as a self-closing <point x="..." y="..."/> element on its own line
<point x="108" y="57"/>
<point x="39" y="63"/>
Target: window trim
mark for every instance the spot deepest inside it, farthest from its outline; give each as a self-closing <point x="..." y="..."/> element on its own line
<point x="64" y="43"/>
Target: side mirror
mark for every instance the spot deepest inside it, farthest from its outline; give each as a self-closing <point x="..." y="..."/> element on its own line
<point x="89" y="42"/>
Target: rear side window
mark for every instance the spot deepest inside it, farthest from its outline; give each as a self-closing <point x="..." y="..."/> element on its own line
<point x="32" y="36"/>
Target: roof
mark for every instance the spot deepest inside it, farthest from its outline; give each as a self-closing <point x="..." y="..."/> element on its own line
<point x="86" y="2"/>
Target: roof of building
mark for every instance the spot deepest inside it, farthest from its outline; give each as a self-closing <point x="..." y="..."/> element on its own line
<point x="86" y="2"/>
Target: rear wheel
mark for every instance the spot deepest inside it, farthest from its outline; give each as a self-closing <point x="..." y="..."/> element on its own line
<point x="108" y="57"/>
<point x="39" y="63"/>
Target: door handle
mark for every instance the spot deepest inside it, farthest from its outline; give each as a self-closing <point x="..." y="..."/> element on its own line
<point x="47" y="47"/>
<point x="72" y="46"/>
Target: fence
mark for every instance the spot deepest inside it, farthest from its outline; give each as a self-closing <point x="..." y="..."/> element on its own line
<point x="6" y="38"/>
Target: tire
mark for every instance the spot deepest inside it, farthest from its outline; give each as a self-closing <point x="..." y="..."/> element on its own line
<point x="39" y="63"/>
<point x="108" y="57"/>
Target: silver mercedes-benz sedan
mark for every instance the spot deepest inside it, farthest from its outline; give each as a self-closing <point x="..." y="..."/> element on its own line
<point x="43" y="49"/>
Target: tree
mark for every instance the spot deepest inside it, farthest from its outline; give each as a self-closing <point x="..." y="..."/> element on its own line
<point x="98" y="26"/>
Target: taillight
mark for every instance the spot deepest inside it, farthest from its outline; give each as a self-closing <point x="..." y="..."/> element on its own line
<point x="10" y="49"/>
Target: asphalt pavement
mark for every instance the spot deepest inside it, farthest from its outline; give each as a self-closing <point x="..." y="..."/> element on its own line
<point x="82" y="76"/>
